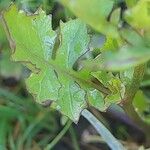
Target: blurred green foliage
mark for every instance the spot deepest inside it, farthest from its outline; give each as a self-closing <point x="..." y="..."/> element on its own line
<point x="125" y="45"/>
<point x="22" y="122"/>
<point x="28" y="5"/>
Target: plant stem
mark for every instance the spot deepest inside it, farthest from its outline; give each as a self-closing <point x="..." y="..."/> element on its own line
<point x="128" y="99"/>
<point x="74" y="138"/>
<point x="145" y="127"/>
<point x="135" y="84"/>
<point x="112" y="142"/>
<point x="59" y="136"/>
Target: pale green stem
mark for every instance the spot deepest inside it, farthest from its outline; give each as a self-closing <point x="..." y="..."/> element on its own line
<point x="128" y="100"/>
<point x="135" y="83"/>
<point x="112" y="142"/>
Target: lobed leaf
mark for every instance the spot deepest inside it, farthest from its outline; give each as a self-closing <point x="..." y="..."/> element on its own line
<point x="34" y="48"/>
<point x="53" y="78"/>
<point x="74" y="42"/>
<point x="34" y="41"/>
<point x="114" y="84"/>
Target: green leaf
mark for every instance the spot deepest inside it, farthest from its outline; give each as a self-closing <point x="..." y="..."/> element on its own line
<point x="127" y="57"/>
<point x="96" y="99"/>
<point x="132" y="53"/>
<point x="115" y="16"/>
<point x="131" y="3"/>
<point x="102" y="76"/>
<point x="54" y="78"/>
<point x="114" y="84"/>
<point x="110" y="44"/>
<point x="34" y="41"/>
<point x="4" y="4"/>
<point x="74" y="42"/>
<point x="139" y="16"/>
<point x="9" y="68"/>
<point x="142" y="106"/>
<point x="34" y="47"/>
<point x="94" y="13"/>
<point x="96" y="95"/>
<point x="132" y="37"/>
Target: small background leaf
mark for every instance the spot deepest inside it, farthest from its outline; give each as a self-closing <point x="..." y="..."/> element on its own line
<point x="142" y="106"/>
<point x="94" y="13"/>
